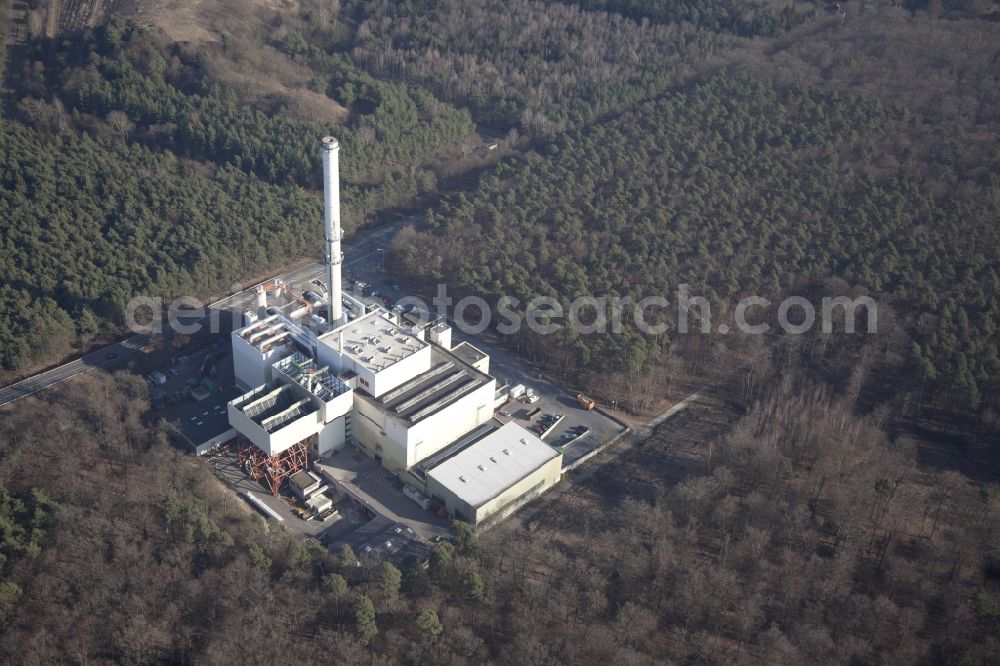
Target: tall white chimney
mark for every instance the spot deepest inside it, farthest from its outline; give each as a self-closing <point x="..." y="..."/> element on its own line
<point x="331" y="223"/>
<point x="261" y="298"/>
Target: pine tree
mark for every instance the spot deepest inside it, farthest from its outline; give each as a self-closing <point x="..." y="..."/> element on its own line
<point x="388" y="578"/>
<point x="364" y="619"/>
<point x="428" y="624"/>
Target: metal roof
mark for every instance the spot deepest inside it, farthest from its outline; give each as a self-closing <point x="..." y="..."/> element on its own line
<point x="272" y="406"/>
<point x="304" y="371"/>
<point x="433" y="390"/>
<point x="420" y="469"/>
<point x="493" y="464"/>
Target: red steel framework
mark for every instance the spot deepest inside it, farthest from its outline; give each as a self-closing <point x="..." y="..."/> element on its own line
<point x="274" y="469"/>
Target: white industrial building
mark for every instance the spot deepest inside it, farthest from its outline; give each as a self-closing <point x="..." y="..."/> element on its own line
<point x="397" y="392"/>
<point x="258" y="346"/>
<point x="380" y="352"/>
<point x="493" y="477"/>
<point x="424" y="414"/>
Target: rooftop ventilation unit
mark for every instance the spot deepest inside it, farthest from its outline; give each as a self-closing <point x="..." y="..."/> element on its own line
<point x="506" y="452"/>
<point x="482" y="468"/>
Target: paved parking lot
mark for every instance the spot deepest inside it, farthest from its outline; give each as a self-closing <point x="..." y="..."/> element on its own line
<point x="368" y="482"/>
<point x="198" y="421"/>
<point x="556" y="401"/>
<point x="553" y="399"/>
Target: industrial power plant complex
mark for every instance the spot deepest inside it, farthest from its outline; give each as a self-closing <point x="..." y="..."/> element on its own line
<point x="325" y="373"/>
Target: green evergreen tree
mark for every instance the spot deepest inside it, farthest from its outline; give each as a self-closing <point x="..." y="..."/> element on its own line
<point x="334" y="584"/>
<point x="428" y="624"/>
<point x="442" y="560"/>
<point x="364" y="619"/>
<point x="346" y="559"/>
<point x="388" y="579"/>
<point x="258" y="556"/>
<point x="474" y="586"/>
<point x="465" y="534"/>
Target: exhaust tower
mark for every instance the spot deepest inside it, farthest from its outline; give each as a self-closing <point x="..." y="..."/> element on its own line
<point x="331" y="226"/>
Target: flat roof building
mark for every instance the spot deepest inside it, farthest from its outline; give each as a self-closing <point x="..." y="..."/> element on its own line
<point x="259" y="345"/>
<point x="331" y="396"/>
<point x="373" y="342"/>
<point x="274" y="417"/>
<point x="381" y="353"/>
<point x="425" y="413"/>
<point x="494" y="476"/>
<point x="305" y="484"/>
<point x="474" y="356"/>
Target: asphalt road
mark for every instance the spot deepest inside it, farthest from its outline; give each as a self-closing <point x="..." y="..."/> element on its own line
<point x="364" y="246"/>
<point x="106" y="357"/>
